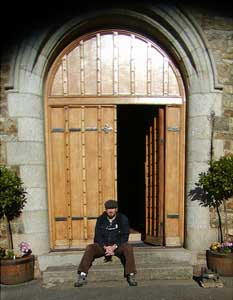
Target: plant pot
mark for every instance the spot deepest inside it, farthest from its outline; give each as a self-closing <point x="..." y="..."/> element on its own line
<point x="221" y="263"/>
<point x="14" y="271"/>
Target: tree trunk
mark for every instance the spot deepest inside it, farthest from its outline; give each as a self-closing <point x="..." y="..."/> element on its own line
<point x="226" y="224"/>
<point x="10" y="232"/>
<point x="220" y="224"/>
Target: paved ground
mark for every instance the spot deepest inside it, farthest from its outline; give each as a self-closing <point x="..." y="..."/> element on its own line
<point x="156" y="290"/>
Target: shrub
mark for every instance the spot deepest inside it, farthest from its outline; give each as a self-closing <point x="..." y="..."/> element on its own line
<point x="12" y="196"/>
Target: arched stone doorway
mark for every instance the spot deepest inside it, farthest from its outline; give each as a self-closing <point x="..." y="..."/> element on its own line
<point x="94" y="87"/>
<point x="181" y="37"/>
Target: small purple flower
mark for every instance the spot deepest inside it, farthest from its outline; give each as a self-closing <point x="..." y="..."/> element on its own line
<point x="227" y="244"/>
<point x="25" y="249"/>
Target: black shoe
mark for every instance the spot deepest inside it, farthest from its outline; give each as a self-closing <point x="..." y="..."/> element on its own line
<point x="108" y="258"/>
<point x="82" y="279"/>
<point x="131" y="280"/>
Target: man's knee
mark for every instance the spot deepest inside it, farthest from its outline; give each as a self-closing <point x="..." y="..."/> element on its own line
<point x="90" y="248"/>
<point x="94" y="249"/>
<point x="127" y="247"/>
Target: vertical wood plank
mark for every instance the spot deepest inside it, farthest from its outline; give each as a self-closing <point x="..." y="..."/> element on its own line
<point x="148" y="69"/>
<point x="98" y="64"/>
<point x="100" y="200"/>
<point x="150" y="180"/>
<point x="132" y="65"/>
<point x="182" y="173"/>
<point x="115" y="151"/>
<point x="48" y="135"/>
<point x="140" y="67"/>
<point x="115" y="64"/>
<point x="107" y="64"/>
<point x="57" y="84"/>
<point x="90" y="66"/>
<point x="84" y="173"/>
<point x="173" y="87"/>
<point x="165" y="76"/>
<point x="92" y="172"/>
<point x="161" y="178"/>
<point x="172" y="177"/>
<point x="124" y="46"/>
<point x="76" y="174"/>
<point x="82" y="78"/>
<point x="108" y="152"/>
<point x="67" y="171"/>
<point x="154" y="178"/>
<point x="73" y="72"/>
<point x="147" y="183"/>
<point x="64" y="75"/>
<point x="58" y="178"/>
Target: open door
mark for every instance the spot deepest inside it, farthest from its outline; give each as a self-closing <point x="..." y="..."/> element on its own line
<point x="174" y="176"/>
<point x="83" y="170"/>
<point x="164" y="178"/>
<point x="154" y="180"/>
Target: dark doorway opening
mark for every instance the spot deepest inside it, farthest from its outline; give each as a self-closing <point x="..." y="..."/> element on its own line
<point x="133" y="123"/>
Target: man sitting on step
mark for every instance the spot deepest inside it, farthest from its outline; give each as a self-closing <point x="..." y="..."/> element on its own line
<point x="111" y="238"/>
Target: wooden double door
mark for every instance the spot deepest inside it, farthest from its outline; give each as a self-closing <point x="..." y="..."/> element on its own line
<point x="82" y="164"/>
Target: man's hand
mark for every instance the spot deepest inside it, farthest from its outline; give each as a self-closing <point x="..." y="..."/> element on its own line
<point x="109" y="250"/>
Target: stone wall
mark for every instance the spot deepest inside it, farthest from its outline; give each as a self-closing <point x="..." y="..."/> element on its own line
<point x="8" y="131"/>
<point x="8" y="127"/>
<point x="218" y="31"/>
<point x="21" y="136"/>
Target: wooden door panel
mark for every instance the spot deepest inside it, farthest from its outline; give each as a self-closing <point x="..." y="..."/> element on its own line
<point x="76" y="177"/>
<point x="153" y="216"/>
<point x="161" y="173"/>
<point x="108" y="154"/>
<point x="83" y="151"/>
<point x="91" y="159"/>
<point x="164" y="169"/>
<point x="174" y="177"/>
<point x="59" y="207"/>
<point x="155" y="180"/>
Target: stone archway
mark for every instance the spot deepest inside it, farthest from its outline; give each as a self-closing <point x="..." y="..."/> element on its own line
<point x="181" y="36"/>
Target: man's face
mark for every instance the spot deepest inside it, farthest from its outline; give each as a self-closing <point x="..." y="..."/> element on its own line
<point x="111" y="212"/>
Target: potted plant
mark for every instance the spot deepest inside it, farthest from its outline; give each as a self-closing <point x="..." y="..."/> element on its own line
<point x="16" y="265"/>
<point x="213" y="189"/>
<point x="220" y="258"/>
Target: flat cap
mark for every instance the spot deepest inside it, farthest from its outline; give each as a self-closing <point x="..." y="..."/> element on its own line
<point x="111" y="204"/>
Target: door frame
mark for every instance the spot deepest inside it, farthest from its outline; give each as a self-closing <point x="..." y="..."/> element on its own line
<point x="60" y="100"/>
<point x="163" y="166"/>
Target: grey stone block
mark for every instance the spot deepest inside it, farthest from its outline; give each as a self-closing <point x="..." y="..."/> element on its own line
<point x="25" y="153"/>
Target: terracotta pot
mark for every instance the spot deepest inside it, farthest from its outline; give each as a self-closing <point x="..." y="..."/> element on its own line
<point x="220" y="263"/>
<point x="14" y="271"/>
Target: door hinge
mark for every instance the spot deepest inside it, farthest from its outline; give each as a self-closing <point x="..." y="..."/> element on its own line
<point x="173" y="216"/>
<point x="173" y="129"/>
<point x="58" y="130"/>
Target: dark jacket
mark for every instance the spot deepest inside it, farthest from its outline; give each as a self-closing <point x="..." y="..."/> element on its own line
<point x="109" y="234"/>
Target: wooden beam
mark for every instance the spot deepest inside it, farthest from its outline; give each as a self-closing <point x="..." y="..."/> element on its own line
<point x="61" y="101"/>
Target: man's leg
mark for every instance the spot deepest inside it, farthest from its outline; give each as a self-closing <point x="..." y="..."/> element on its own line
<point x="92" y="251"/>
<point x="125" y="253"/>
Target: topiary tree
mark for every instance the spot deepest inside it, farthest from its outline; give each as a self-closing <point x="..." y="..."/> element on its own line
<point x="12" y="196"/>
<point x="215" y="186"/>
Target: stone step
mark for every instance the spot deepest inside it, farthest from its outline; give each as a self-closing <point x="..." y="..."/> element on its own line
<point x="135" y="236"/>
<point x="101" y="273"/>
<point x="143" y="255"/>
